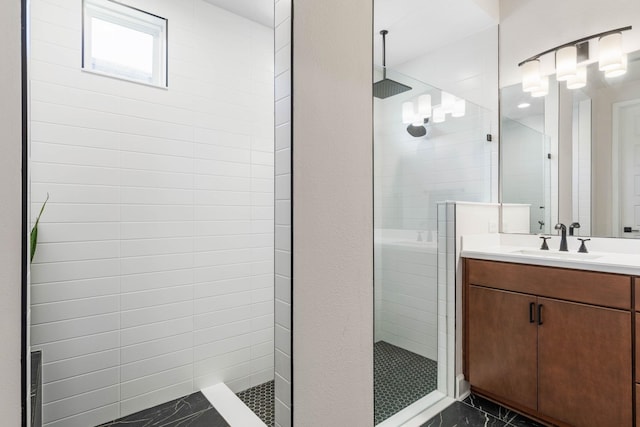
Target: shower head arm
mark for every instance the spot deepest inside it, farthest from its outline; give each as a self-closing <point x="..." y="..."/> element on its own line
<point x="384" y="53"/>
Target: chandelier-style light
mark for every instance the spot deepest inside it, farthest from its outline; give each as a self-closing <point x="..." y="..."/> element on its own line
<point x="571" y="60"/>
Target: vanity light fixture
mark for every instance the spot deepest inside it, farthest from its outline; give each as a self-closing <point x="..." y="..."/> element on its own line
<point x="566" y="63"/>
<point x="571" y="59"/>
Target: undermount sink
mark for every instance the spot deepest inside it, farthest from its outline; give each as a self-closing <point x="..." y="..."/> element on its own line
<point x="556" y="254"/>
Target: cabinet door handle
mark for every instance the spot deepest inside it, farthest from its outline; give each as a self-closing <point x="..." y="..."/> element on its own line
<point x="532" y="315"/>
<point x="540" y="314"/>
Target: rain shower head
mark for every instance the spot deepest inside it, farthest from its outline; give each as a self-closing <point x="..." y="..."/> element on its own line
<point x="386" y="87"/>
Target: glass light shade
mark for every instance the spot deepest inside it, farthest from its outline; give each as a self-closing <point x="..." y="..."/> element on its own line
<point x="459" y="108"/>
<point x="531" y="78"/>
<point x="566" y="61"/>
<point x="448" y="101"/>
<point x="543" y="90"/>
<point x="438" y="115"/>
<point x="424" y="106"/>
<point x="408" y="114"/>
<point x="618" y="71"/>
<point x="579" y="80"/>
<point x="610" y="52"/>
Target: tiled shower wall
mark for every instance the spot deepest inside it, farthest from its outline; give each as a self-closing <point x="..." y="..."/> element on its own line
<point x="283" y="277"/>
<point x="154" y="272"/>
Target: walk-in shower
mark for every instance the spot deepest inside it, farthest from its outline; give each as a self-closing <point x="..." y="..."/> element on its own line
<point x="414" y="295"/>
<point x="154" y="272"/>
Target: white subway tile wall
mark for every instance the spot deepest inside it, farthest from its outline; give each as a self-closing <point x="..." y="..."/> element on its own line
<point x="283" y="220"/>
<point x="154" y="271"/>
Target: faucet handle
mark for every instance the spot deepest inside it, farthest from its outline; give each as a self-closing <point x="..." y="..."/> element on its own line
<point x="544" y="246"/>
<point x="583" y="248"/>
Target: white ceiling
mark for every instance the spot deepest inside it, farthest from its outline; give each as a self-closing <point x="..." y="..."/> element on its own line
<point x="260" y="11"/>
<point x="419" y="26"/>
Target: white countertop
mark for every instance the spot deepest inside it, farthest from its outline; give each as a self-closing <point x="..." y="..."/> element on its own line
<point x="620" y="256"/>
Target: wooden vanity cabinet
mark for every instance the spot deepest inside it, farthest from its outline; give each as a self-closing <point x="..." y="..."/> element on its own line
<point x="529" y="346"/>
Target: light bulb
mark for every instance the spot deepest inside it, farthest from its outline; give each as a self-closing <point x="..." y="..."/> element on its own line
<point x="424" y="106"/>
<point x="543" y="90"/>
<point x="566" y="60"/>
<point x="618" y="71"/>
<point x="610" y="52"/>
<point x="579" y="80"/>
<point x="408" y="115"/>
<point x="459" y="108"/>
<point x="531" y="79"/>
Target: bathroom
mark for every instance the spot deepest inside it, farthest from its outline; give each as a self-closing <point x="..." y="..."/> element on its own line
<point x="333" y="233"/>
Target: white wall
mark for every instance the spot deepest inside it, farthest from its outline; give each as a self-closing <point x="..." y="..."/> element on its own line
<point x="10" y="212"/>
<point x="154" y="276"/>
<point x="333" y="232"/>
<point x="283" y="250"/>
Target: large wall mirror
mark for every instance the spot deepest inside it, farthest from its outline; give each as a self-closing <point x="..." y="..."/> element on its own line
<point x="572" y="155"/>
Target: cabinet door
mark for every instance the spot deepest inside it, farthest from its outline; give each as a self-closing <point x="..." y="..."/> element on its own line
<point x="502" y="345"/>
<point x="584" y="364"/>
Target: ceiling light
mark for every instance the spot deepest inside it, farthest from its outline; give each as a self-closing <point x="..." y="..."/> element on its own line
<point x="524" y="105"/>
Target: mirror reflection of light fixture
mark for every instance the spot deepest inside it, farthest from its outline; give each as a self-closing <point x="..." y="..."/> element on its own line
<point x="570" y="62"/>
<point x="618" y="71"/>
<point x="579" y="79"/>
<point x="543" y="89"/>
<point x="424" y="106"/>
<point x="447" y="101"/>
<point x="408" y="114"/>
<point x="459" y="108"/>
<point x="418" y="118"/>
<point x="438" y="114"/>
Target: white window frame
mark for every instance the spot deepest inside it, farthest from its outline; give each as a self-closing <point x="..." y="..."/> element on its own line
<point x="132" y="18"/>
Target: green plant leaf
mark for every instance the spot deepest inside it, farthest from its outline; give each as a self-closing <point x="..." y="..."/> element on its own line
<point x="34" y="231"/>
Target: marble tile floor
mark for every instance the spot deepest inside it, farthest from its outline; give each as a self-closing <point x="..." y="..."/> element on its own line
<point x="193" y="410"/>
<point x="476" y="411"/>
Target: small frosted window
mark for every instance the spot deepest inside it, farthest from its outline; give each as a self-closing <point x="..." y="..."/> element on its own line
<point x="124" y="42"/>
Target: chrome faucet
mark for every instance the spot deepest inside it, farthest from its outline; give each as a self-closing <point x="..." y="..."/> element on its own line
<point x="563" y="241"/>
